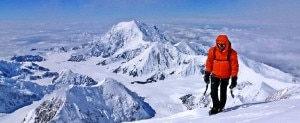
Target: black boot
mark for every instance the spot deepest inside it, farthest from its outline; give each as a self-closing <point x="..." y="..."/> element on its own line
<point x="214" y="111"/>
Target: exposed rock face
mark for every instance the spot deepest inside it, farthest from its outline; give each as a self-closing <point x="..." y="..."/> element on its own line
<point x="28" y="58"/>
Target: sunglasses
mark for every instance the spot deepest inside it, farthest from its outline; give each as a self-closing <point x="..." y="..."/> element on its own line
<point x="221" y="45"/>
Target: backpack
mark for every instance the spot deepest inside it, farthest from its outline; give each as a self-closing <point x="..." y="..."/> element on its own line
<point x="228" y="55"/>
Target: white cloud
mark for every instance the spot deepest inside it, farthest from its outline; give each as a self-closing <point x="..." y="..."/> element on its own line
<point x="273" y="46"/>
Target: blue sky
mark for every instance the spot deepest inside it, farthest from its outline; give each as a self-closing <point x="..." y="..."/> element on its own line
<point x="279" y="11"/>
<point x="281" y="17"/>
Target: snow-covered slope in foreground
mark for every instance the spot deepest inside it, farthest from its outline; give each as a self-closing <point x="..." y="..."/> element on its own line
<point x="285" y="111"/>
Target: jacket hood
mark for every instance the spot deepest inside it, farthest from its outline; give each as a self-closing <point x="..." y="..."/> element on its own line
<point x="222" y="39"/>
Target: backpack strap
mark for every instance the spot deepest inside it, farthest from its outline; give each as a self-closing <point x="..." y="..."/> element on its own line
<point x="229" y="51"/>
<point x="228" y="55"/>
<point x="214" y="53"/>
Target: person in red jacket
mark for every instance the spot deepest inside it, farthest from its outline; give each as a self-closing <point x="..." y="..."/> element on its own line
<point x="221" y="65"/>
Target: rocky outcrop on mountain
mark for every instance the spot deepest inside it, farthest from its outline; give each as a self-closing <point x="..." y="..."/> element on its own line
<point x="68" y="77"/>
<point x="47" y="110"/>
<point x="37" y="67"/>
<point x="28" y="58"/>
<point x="23" y="71"/>
<point x="191" y="102"/>
<point x="10" y="69"/>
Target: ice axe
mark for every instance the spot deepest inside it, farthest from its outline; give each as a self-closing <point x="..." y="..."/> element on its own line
<point x="205" y="89"/>
<point x="231" y="92"/>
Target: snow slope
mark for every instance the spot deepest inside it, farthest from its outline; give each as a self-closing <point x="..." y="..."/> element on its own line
<point x="276" y="112"/>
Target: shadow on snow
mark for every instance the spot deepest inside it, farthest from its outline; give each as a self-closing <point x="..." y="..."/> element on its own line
<point x="243" y="106"/>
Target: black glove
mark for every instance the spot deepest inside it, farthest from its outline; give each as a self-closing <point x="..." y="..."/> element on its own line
<point x="233" y="82"/>
<point x="206" y="77"/>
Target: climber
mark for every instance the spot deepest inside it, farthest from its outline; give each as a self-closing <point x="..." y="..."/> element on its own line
<point x="221" y="65"/>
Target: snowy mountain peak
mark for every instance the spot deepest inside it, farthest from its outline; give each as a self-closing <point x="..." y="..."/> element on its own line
<point x="127" y="25"/>
<point x="133" y="31"/>
<point x="143" y="49"/>
<point x="122" y="38"/>
<point x="122" y="101"/>
<point x="68" y="77"/>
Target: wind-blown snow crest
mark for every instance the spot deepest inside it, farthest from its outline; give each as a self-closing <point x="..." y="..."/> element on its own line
<point x="287" y="93"/>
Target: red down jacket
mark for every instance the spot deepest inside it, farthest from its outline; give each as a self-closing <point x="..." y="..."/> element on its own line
<point x="217" y="62"/>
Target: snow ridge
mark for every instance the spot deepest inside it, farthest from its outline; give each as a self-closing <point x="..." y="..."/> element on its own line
<point x="68" y="77"/>
<point x="267" y="71"/>
<point x="110" y="102"/>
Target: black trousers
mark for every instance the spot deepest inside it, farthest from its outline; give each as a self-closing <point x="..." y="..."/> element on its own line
<point x="215" y="83"/>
